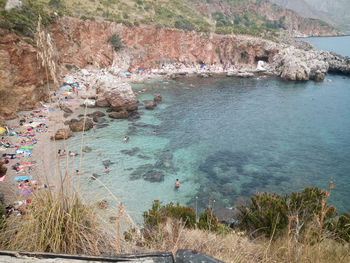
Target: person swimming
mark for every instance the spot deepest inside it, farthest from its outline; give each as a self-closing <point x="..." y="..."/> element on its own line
<point x="177" y="184"/>
<point x="106" y="170"/>
<point x="126" y="138"/>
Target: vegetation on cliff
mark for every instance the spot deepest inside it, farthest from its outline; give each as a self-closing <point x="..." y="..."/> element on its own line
<point x="24" y="21"/>
<point x="253" y="17"/>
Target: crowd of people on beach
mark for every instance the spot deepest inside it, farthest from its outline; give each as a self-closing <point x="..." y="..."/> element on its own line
<point x="16" y="147"/>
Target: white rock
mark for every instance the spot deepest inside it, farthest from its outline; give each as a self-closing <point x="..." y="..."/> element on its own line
<point x="13" y="4"/>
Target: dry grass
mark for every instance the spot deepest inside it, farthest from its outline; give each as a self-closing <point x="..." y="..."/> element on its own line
<point x="327" y="251"/>
<point x="59" y="224"/>
<point x="237" y="247"/>
<point x="231" y="247"/>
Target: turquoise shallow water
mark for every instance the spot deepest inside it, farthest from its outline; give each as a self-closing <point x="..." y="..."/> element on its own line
<point x="227" y="138"/>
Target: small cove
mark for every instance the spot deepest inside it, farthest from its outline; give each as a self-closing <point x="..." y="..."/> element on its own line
<point x="225" y="139"/>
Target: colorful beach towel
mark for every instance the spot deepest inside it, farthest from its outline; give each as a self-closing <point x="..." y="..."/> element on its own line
<point x="22" y="178"/>
<point x="26" y="147"/>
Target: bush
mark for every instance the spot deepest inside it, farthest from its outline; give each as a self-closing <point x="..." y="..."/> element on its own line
<point x="159" y="213"/>
<point x="23" y="21"/>
<point x="184" y="25"/>
<point x="116" y="42"/>
<point x="270" y="214"/>
<point x="341" y="227"/>
<point x="208" y="220"/>
<point x="266" y="215"/>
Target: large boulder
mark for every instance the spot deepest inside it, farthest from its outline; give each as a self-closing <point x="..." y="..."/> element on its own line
<point x="81" y="125"/>
<point x="62" y="134"/>
<point x="119" y="115"/>
<point x="115" y="94"/>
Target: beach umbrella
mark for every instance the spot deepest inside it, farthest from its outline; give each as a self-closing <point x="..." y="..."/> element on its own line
<point x="2" y="130"/>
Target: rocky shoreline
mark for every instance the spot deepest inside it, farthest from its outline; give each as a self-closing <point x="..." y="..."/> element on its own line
<point x="148" y="52"/>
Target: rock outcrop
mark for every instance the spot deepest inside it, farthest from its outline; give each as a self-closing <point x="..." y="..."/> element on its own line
<point x="62" y="134"/>
<point x="22" y="80"/>
<point x="296" y="64"/>
<point x="81" y="125"/>
<point x="115" y="94"/>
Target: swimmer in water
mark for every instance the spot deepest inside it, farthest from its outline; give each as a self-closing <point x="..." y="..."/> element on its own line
<point x="177" y="184"/>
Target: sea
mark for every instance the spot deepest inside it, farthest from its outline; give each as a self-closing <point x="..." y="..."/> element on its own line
<point x="224" y="139"/>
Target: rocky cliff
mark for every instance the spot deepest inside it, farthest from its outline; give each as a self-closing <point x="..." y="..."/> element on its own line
<point x="275" y="16"/>
<point x="22" y="83"/>
<point x="82" y="43"/>
<point x="86" y="42"/>
<point x="335" y="12"/>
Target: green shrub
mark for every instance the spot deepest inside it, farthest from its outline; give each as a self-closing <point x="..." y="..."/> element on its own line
<point x="159" y="213"/>
<point x="184" y="25"/>
<point x="208" y="220"/>
<point x="116" y="42"/>
<point x="266" y="215"/>
<point x="23" y="21"/>
<point x="341" y="227"/>
<point x="270" y="214"/>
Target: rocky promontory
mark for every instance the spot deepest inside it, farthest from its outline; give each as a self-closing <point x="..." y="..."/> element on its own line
<point x="297" y="64"/>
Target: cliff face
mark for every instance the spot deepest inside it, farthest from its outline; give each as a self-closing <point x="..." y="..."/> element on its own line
<point x="22" y="79"/>
<point x="86" y="42"/>
<point x="291" y="21"/>
<point x="335" y="12"/>
<point x="81" y="43"/>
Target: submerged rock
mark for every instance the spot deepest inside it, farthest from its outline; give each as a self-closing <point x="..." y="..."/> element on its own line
<point x="134" y="115"/>
<point x="157" y="97"/>
<point x="101" y="125"/>
<point x="86" y="149"/>
<point x="131" y="152"/>
<point x="107" y="163"/>
<point x="148" y="173"/>
<point x="150" y="104"/>
<point x="154" y="176"/>
<point x="119" y="115"/>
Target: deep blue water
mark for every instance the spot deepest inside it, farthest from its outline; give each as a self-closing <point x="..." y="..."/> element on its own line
<point x="225" y="139"/>
<point x="340" y="45"/>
